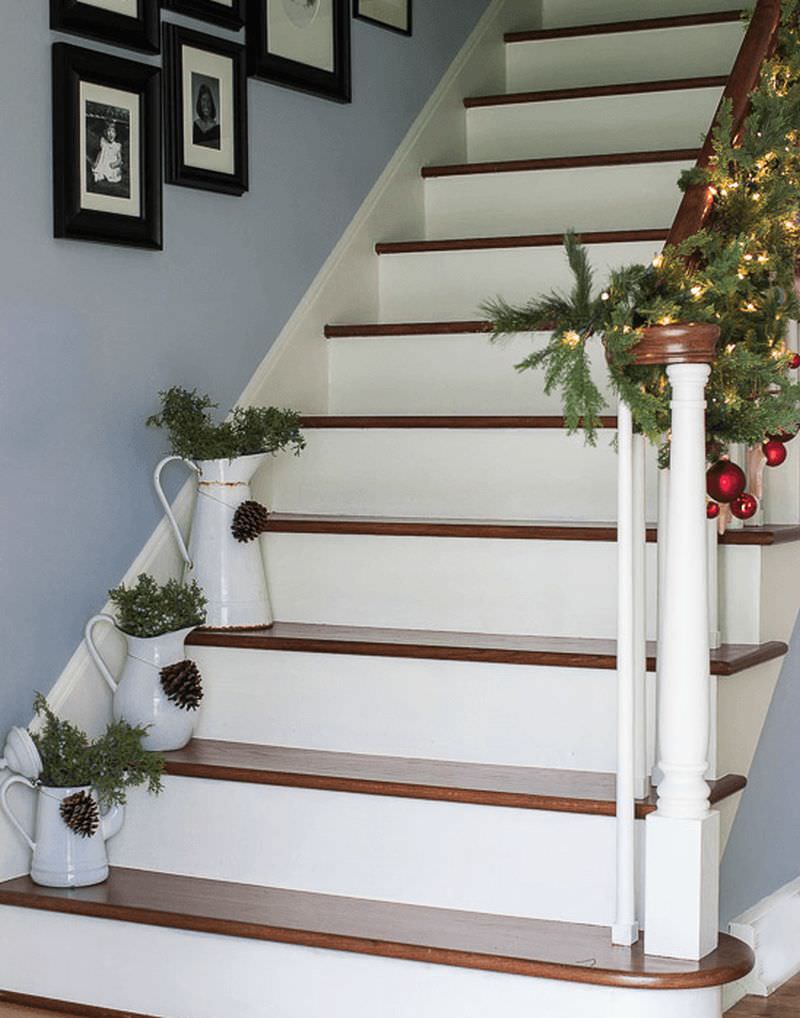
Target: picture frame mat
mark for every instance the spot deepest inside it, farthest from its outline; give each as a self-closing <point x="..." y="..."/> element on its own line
<point x="212" y="65"/>
<point x="311" y="45"/>
<point x="90" y="92"/>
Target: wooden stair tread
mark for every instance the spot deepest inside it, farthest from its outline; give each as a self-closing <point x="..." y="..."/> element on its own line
<point x="557" y="651"/>
<point x="27" y="1005"/>
<point x="670" y="155"/>
<point x="560" y="791"/>
<point x="638" y="25"/>
<point x="481" y="421"/>
<point x="596" y="91"/>
<point x="529" y="947"/>
<point x="532" y="530"/>
<point x="345" y="331"/>
<point x="529" y="240"/>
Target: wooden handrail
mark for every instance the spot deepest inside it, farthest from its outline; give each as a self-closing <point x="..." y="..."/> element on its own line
<point x="757" y="46"/>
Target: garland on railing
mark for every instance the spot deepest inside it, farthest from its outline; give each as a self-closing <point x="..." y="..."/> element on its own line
<point x="737" y="272"/>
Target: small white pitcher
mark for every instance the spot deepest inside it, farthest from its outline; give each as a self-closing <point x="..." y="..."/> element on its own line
<point x="62" y="858"/>
<point x="139" y="697"/>
<point x="231" y="573"/>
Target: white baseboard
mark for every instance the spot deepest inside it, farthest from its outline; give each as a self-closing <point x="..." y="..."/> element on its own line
<point x="772" y="929"/>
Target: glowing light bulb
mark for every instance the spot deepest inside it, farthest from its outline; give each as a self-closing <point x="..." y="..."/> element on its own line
<point x="571" y="338"/>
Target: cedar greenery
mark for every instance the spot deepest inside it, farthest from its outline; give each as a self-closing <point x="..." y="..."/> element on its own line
<point x="194" y="434"/>
<point x="737" y="272"/>
<point x="147" y="609"/>
<point x="111" y="764"/>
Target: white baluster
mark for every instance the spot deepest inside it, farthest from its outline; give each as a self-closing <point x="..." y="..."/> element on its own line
<point x="625" y="930"/>
<point x="682" y="842"/>
<point x="642" y="770"/>
<point x="714" y="635"/>
<point x="663" y="523"/>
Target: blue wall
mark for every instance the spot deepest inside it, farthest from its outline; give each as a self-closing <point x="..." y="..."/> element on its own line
<point x="763" y="852"/>
<point x="89" y="333"/>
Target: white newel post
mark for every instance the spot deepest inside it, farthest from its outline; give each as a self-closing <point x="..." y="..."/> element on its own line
<point x="682" y="836"/>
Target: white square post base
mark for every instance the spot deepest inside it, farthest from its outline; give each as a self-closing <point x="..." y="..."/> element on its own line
<point x="681" y="915"/>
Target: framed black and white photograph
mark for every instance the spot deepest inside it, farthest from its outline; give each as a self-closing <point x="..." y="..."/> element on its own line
<point x="302" y="44"/>
<point x="392" y="14"/>
<point x="130" y="23"/>
<point x="228" y="13"/>
<point x="205" y="104"/>
<point x="106" y="148"/>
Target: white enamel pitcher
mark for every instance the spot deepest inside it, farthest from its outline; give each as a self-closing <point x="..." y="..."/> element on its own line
<point x="62" y="858"/>
<point x="139" y="696"/>
<point x="230" y="572"/>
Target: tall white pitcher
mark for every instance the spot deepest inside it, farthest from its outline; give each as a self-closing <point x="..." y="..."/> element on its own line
<point x="230" y="572"/>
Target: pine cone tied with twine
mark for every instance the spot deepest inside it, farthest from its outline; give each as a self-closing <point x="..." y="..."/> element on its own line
<point x="80" y="813"/>
<point x="183" y="684"/>
<point x="249" y="521"/>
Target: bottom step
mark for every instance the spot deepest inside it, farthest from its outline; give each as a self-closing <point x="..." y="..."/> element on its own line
<point x="225" y="949"/>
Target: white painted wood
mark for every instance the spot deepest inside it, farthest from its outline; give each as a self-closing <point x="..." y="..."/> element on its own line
<point x="546" y="201"/>
<point x="553" y="588"/>
<point x="619" y="57"/>
<point x="772" y="929"/>
<point x="712" y="565"/>
<point x="481" y="858"/>
<point x="620" y="123"/>
<point x="625" y="930"/>
<point x="641" y="768"/>
<point x="451" y="285"/>
<point x="209" y="976"/>
<point x="592" y="12"/>
<point x="460" y="473"/>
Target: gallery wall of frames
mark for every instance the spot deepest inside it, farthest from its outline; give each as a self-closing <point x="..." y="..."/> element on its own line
<point x="121" y="127"/>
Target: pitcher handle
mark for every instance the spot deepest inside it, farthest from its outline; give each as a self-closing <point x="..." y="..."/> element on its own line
<point x="168" y="508"/>
<point x="13" y="780"/>
<point x="95" y="653"/>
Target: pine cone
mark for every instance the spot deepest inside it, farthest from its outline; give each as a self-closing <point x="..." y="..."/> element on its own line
<point x="80" y="813"/>
<point x="182" y="684"/>
<point x="249" y="521"/>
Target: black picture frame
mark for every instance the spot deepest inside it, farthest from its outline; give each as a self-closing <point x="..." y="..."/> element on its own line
<point x="178" y="170"/>
<point x="268" y="66"/>
<point x="86" y="19"/>
<point x="207" y="10"/>
<point x="74" y="68"/>
<point x="357" y="13"/>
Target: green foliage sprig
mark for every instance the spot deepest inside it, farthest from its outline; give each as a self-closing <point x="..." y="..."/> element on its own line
<point x="194" y="434"/>
<point x="147" y="609"/>
<point x="737" y="272"/>
<point x="111" y="764"/>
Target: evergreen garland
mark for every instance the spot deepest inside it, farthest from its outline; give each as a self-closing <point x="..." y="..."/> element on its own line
<point x="737" y="272"/>
<point x="147" y="609"/>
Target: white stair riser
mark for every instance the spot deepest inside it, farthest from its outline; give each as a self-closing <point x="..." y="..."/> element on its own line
<point x="537" y="716"/>
<point x="490" y="473"/>
<point x="592" y="126"/>
<point x="617" y="58"/>
<point x="554" y="588"/>
<point x="558" y="13"/>
<point x="504" y="861"/>
<point x="211" y="976"/>
<point x="450" y="285"/>
<point x="455" y="374"/>
<point x="550" y="201"/>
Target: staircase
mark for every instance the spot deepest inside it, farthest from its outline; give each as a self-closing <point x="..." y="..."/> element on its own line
<point x="401" y="798"/>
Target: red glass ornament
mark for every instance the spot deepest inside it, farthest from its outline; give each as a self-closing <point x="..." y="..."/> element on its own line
<point x="745" y="506"/>
<point x="725" y="481"/>
<point x="712" y="510"/>
<point x="794" y="363"/>
<point x="774" y="452"/>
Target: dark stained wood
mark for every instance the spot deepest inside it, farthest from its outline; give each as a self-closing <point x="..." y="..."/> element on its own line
<point x="561" y="652"/>
<point x="530" y="240"/>
<point x="756" y="47"/>
<point x="25" y="1005"/>
<point x="680" y="343"/>
<point x="443" y="421"/>
<point x="528" y="947"/>
<point x="637" y="25"/>
<point x="406" y="329"/>
<point x="632" y="88"/>
<point x="563" y="162"/>
<point x="516" y="530"/>
<point x="539" y="788"/>
<point x="784" y="1003"/>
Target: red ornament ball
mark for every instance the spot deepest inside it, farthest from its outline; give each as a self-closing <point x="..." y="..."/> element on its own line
<point x="774" y="452"/>
<point x="745" y="506"/>
<point x="712" y="510"/>
<point x="725" y="481"/>
<point x="794" y="363"/>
